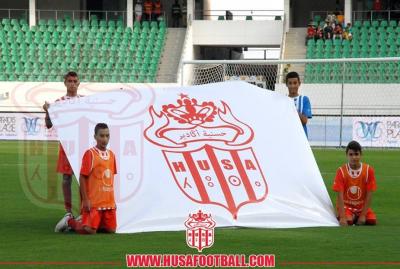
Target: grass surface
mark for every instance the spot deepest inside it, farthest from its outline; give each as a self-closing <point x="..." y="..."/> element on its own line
<point x="31" y="205"/>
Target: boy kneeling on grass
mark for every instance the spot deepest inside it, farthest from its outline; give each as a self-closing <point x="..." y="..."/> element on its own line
<point x="96" y="182"/>
<point x="355" y="182"/>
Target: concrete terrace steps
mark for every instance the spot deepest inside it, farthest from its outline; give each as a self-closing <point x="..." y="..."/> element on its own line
<point x="171" y="55"/>
<point x="295" y="47"/>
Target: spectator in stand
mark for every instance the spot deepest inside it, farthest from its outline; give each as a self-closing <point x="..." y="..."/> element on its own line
<point x="184" y="13"/>
<point x="377" y="6"/>
<point x="319" y="33"/>
<point x="347" y="34"/>
<point x="368" y="6"/>
<point x="326" y="24"/>
<point x="157" y="10"/>
<point x="148" y="9"/>
<point x="340" y="19"/>
<point x="138" y="11"/>
<point x="338" y="32"/>
<point x="311" y="32"/>
<point x="176" y="14"/>
<point x="331" y="18"/>
<point x="328" y="31"/>
<point x="338" y="6"/>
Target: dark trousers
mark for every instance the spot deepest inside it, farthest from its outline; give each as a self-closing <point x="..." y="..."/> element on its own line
<point x="176" y="21"/>
<point x="155" y="16"/>
<point x="146" y="17"/>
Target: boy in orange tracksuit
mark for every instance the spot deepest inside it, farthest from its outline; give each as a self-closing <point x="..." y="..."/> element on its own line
<point x="355" y="182"/>
<point x="96" y="187"/>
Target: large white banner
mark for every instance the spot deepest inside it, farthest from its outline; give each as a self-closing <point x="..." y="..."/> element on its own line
<point x="230" y="149"/>
<point x="377" y="131"/>
<point x="30" y="96"/>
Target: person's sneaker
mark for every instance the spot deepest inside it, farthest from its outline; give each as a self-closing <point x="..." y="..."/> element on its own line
<point x="62" y="225"/>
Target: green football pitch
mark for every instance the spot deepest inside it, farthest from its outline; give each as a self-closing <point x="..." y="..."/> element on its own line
<point x="31" y="205"/>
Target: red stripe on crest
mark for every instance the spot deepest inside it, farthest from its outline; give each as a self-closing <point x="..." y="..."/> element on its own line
<point x="196" y="176"/>
<point x="200" y="246"/>
<point x="222" y="180"/>
<point x="243" y="175"/>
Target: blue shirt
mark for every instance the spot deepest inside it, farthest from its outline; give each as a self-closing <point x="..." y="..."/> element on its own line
<point x="303" y="106"/>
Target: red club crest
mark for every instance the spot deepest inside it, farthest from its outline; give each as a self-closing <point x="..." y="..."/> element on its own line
<point x="208" y="152"/>
<point x="200" y="231"/>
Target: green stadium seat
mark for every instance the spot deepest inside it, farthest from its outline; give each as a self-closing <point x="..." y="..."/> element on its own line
<point x="53" y="48"/>
<point x="162" y="25"/>
<point x="23" y="22"/>
<point x="357" y="24"/>
<point x="366" y="24"/>
<point x="393" y="48"/>
<point x="373" y="31"/>
<point x="103" y="23"/>
<point x="111" y="24"/>
<point x="85" y="23"/>
<point x="328" y="42"/>
<point x="355" y="54"/>
<point x="356" y="31"/>
<point x="60" y="22"/>
<point x="392" y="35"/>
<point x="145" y="25"/>
<point x="120" y="23"/>
<point x="311" y="42"/>
<point x="337" y="42"/>
<point x="93" y="17"/>
<point x="77" y="23"/>
<point x="51" y="22"/>
<point x="115" y="78"/>
<point x="153" y="24"/>
<point x="16" y="27"/>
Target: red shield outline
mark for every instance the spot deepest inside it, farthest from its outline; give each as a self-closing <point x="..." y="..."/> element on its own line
<point x="224" y="183"/>
<point x="200" y="238"/>
<point x="200" y="230"/>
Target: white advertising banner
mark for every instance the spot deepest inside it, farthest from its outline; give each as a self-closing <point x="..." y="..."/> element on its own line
<point x="230" y="149"/>
<point x="358" y="98"/>
<point x="25" y="126"/>
<point x="377" y="131"/>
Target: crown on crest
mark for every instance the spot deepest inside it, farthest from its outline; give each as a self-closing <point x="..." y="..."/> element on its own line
<point x="200" y="219"/>
<point x="190" y="112"/>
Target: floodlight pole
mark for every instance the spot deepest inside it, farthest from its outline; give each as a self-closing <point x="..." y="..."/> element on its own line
<point x="182" y="73"/>
<point x="129" y="13"/>
<point x="32" y="13"/>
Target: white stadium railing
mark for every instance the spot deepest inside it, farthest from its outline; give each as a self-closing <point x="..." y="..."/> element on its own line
<point x="343" y="92"/>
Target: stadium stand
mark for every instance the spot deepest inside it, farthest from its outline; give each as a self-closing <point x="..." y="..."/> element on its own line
<point x="369" y="39"/>
<point x="99" y="50"/>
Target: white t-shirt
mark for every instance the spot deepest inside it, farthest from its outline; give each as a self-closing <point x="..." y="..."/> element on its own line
<point x="138" y="9"/>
